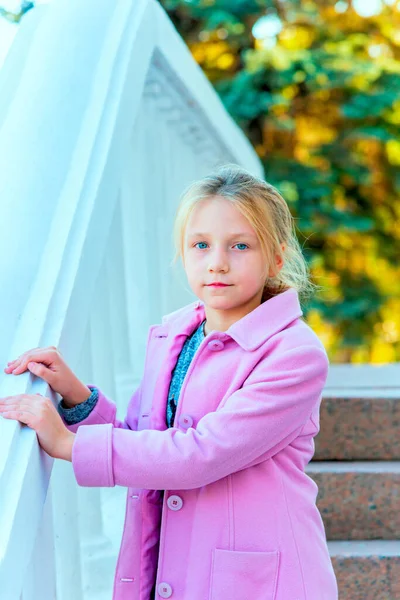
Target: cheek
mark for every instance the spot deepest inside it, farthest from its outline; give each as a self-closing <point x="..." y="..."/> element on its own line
<point x="193" y="268"/>
<point x="252" y="268"/>
<point x="194" y="261"/>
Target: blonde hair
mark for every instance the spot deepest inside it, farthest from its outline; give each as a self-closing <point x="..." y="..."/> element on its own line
<point x="266" y="211"/>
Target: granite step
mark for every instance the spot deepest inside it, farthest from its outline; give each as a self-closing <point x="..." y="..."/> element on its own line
<point x="367" y="569"/>
<point x="363" y="428"/>
<point x="358" y="500"/>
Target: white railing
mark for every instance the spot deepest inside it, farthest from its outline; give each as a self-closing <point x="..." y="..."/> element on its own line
<point x="105" y="119"/>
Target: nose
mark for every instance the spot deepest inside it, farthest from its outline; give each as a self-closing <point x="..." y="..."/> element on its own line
<point x="218" y="261"/>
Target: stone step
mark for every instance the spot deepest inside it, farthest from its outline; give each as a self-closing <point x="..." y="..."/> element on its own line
<point x="363" y="428"/>
<point x="358" y="500"/>
<point x="367" y="569"/>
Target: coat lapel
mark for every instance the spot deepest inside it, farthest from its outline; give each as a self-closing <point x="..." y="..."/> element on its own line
<point x="166" y="342"/>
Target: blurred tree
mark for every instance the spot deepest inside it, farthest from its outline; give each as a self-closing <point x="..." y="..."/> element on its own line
<point x="316" y="89"/>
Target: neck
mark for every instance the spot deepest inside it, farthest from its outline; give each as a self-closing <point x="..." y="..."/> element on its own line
<point x="221" y="320"/>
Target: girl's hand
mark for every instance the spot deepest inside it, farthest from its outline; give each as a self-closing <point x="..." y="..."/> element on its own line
<point x="48" y="364"/>
<point x="39" y="413"/>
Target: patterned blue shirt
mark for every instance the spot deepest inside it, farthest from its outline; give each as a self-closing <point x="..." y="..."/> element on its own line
<point x="178" y="374"/>
<point x="78" y="413"/>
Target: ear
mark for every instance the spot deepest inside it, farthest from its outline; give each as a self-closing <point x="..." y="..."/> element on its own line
<point x="278" y="263"/>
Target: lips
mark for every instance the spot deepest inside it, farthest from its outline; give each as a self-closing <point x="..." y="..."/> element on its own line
<point x="218" y="285"/>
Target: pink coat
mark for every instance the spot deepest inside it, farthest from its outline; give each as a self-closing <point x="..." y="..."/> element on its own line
<point x="238" y="520"/>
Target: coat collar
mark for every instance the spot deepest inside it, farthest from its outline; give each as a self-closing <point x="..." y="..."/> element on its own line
<point x="250" y="332"/>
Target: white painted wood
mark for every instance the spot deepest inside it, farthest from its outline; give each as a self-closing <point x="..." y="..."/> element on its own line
<point x="98" y="558"/>
<point x="23" y="492"/>
<point x="12" y="67"/>
<point x="40" y="580"/>
<point x="107" y="132"/>
<point x="116" y="296"/>
<point x="67" y="551"/>
<point x="139" y="274"/>
<point x="96" y="548"/>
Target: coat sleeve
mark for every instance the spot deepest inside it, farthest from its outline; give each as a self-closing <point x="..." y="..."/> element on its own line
<point x="255" y="422"/>
<point x="105" y="411"/>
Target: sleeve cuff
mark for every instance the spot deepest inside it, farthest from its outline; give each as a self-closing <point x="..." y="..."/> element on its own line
<point x="92" y="456"/>
<point x="78" y="413"/>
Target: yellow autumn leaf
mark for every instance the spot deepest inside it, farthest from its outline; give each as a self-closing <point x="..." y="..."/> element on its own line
<point x="225" y="61"/>
<point x="393" y="152"/>
<point x="296" y="37"/>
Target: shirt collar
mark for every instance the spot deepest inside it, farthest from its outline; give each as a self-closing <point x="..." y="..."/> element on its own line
<point x="251" y="331"/>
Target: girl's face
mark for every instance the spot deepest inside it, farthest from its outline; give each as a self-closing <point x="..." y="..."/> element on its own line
<point x="222" y="246"/>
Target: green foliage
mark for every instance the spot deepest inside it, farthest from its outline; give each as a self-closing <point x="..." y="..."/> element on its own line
<point x="322" y="108"/>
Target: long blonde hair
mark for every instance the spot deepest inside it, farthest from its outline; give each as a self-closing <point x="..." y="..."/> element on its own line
<point x="267" y="212"/>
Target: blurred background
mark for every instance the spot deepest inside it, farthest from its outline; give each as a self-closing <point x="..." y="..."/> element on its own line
<point x="315" y="86"/>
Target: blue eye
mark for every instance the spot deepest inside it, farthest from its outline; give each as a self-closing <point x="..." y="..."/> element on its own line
<point x="244" y="246"/>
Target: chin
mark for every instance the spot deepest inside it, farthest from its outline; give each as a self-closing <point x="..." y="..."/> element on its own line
<point x="221" y="303"/>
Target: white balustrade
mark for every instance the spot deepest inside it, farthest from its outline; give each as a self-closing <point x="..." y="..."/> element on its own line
<point x="106" y="120"/>
<point x="39" y="581"/>
<point x="63" y="493"/>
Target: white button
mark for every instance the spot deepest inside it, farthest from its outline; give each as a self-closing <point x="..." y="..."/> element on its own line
<point x="175" y="502"/>
<point x="185" y="421"/>
<point x="164" y="590"/>
<point x="216" y="345"/>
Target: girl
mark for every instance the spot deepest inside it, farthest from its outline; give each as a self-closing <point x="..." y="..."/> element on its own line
<point x="218" y="434"/>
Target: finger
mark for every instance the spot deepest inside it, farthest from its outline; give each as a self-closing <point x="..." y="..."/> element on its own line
<point x="39" y="350"/>
<point x="20" y="364"/>
<point x="10" y="399"/>
<point x="38" y="369"/>
<point x="13" y="414"/>
<point x="19" y="415"/>
<point x="12" y="406"/>
<point x="24" y="406"/>
<point x="17" y="368"/>
<point x="22" y="399"/>
<point x="8" y="406"/>
<point x="11" y="365"/>
<point x="27" y="407"/>
<point x="37" y="355"/>
<point x="21" y="356"/>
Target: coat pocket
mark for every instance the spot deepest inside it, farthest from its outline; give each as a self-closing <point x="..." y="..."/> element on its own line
<point x="243" y="575"/>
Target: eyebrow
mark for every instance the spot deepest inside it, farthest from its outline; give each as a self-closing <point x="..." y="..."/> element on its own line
<point x="232" y="235"/>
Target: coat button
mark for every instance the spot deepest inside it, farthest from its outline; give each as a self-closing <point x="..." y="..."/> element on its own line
<point x="216" y="345"/>
<point x="185" y="421"/>
<point x="175" y="502"/>
<point x="164" y="590"/>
